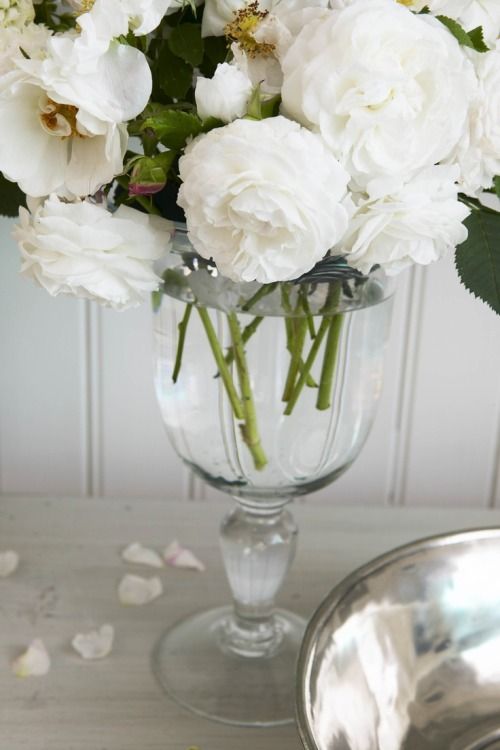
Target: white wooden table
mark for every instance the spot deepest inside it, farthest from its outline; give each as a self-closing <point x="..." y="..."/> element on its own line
<point x="67" y="583"/>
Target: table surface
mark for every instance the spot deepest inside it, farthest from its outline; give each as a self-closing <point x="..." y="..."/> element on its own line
<point x="66" y="583"/>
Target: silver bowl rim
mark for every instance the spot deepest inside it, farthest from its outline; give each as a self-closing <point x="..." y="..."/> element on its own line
<point x="337" y="594"/>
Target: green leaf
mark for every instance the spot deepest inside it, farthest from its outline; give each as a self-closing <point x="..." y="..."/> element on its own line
<point x="11" y="197"/>
<point x="175" y="77"/>
<point x="496" y="185"/>
<point x="473" y="39"/>
<point x="478" y="258"/>
<point x="173" y="127"/>
<point x="185" y="41"/>
<point x="477" y="38"/>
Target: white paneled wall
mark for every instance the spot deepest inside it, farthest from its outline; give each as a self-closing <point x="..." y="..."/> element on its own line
<point x="78" y="413"/>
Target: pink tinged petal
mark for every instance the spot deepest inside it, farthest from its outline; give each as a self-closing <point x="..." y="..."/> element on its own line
<point x="181" y="557"/>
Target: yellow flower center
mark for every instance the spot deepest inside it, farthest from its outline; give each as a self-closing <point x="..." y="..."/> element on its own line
<point x="59" y="119"/>
<point x="243" y="27"/>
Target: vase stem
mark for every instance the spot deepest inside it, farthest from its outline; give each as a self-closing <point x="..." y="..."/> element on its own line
<point x="258" y="548"/>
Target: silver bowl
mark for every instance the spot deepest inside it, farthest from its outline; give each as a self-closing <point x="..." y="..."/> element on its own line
<point x="404" y="654"/>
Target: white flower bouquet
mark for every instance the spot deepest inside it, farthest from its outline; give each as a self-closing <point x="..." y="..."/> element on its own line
<point x="293" y="137"/>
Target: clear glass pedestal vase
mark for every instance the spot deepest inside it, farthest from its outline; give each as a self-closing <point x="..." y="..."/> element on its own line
<point x="267" y="393"/>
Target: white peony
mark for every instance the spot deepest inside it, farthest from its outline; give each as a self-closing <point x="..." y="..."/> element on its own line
<point x="388" y="90"/>
<point x="469" y="13"/>
<point x="478" y="153"/>
<point x="262" y="198"/>
<point x="418" y="222"/>
<point x="225" y="96"/>
<point x="16" y="13"/>
<point x="84" y="250"/>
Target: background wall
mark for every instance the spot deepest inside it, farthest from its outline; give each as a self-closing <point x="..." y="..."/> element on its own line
<point x="78" y="414"/>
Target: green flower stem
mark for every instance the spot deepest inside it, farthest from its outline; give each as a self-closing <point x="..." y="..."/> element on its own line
<point x="305" y="306"/>
<point x="264" y="290"/>
<point x="221" y="363"/>
<point x="329" y="306"/>
<point x="249" y="429"/>
<point x="307" y="365"/>
<point x="147" y="204"/>
<point x="298" y="329"/>
<point x="324" y="399"/>
<point x="180" y="344"/>
<point x="247" y="334"/>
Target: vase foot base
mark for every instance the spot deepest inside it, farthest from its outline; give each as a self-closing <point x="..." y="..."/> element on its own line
<point x="195" y="669"/>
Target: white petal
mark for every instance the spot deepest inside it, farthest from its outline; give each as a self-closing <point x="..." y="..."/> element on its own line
<point x="136" y="553"/>
<point x="9" y="561"/>
<point x="34" y="662"/>
<point x="137" y="591"/>
<point x="94" y="645"/>
<point x="180" y="557"/>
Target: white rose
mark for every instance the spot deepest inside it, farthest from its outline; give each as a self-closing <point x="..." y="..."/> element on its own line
<point x="110" y="83"/>
<point x="225" y="96"/>
<point x="16" y="13"/>
<point x="112" y="18"/>
<point x="417" y="223"/>
<point x="469" y="13"/>
<point x="47" y="147"/>
<point x="262" y="198"/>
<point x="387" y="89"/>
<point x="84" y="250"/>
<point x="478" y="154"/>
<point x="32" y="38"/>
<point x="275" y="32"/>
<point x="218" y="13"/>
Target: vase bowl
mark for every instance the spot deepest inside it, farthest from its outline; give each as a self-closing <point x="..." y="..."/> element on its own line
<point x="404" y="654"/>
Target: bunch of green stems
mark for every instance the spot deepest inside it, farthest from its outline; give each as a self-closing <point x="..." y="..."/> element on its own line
<point x="305" y="334"/>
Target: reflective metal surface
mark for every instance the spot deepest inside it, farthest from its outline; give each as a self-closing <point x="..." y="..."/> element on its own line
<point x="405" y="653"/>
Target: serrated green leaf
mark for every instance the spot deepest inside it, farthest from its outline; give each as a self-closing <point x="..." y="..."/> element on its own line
<point x="175" y="77"/>
<point x="173" y="127"/>
<point x="477" y="38"/>
<point x="185" y="41"/>
<point x="11" y="197"/>
<point x="463" y="37"/>
<point x="216" y="51"/>
<point x="496" y="185"/>
<point x="478" y="258"/>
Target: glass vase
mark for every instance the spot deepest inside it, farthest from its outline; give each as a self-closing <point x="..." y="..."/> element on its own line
<point x="267" y="393"/>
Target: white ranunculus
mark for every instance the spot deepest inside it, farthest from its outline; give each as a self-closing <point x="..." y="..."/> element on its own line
<point x="263" y="198"/>
<point x="16" y="13"/>
<point x="418" y="222"/>
<point x="387" y="89"/>
<point x="47" y="148"/>
<point x="478" y="154"/>
<point x="32" y="39"/>
<point x="84" y="250"/>
<point x="225" y="96"/>
<point x="469" y="13"/>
